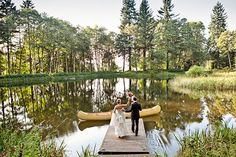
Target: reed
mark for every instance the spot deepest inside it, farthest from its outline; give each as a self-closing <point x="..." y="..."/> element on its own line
<point x="15" y="142"/>
<point x="220" y="142"/>
<point x="213" y="82"/>
<point x="87" y="152"/>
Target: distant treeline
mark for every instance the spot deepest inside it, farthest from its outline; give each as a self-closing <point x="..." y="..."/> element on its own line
<point x="31" y="42"/>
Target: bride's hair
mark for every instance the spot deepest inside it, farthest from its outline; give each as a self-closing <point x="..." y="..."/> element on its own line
<point x="118" y="101"/>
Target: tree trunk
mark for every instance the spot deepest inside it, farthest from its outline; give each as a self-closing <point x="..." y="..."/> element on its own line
<point x="145" y="89"/>
<point x="8" y="58"/>
<point x="123" y="62"/>
<point x="167" y="60"/>
<point x="74" y="62"/>
<point x="144" y="59"/>
<point x="83" y="62"/>
<point x="21" y="55"/>
<point x="49" y="62"/>
<point x="66" y="64"/>
<point x="230" y="66"/>
<point x="91" y="65"/>
<point x="130" y="58"/>
<point x="30" y="57"/>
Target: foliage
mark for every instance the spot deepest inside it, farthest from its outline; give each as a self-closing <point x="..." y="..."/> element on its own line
<point x="222" y="142"/>
<point x="128" y="13"/>
<point x="196" y="71"/>
<point x="26" y="143"/>
<point x="165" y="11"/>
<point x="226" y="45"/>
<point x="125" y="40"/>
<point x="145" y="33"/>
<point x="216" y="27"/>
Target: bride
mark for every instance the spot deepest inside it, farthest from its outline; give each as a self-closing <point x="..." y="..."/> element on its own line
<point x="118" y="120"/>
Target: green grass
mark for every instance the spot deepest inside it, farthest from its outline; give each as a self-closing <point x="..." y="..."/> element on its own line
<point x="216" y="81"/>
<point x="220" y="142"/>
<point x="27" y="79"/>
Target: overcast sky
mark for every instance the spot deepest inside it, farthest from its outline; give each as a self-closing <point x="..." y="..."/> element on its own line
<point x="106" y="13"/>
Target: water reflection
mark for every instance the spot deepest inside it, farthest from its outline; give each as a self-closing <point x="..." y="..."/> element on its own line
<point x="54" y="108"/>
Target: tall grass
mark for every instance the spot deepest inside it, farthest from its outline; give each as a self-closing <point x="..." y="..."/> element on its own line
<point x="87" y="152"/>
<point x="19" y="143"/>
<point x="223" y="82"/>
<point x="222" y="142"/>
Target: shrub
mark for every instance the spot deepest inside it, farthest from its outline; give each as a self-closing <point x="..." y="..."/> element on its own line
<point x="196" y="71"/>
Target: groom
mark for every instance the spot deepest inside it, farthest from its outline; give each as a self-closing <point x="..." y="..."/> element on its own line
<point x="135" y="108"/>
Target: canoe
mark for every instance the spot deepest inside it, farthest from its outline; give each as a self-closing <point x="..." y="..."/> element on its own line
<point x="107" y="115"/>
<point x="149" y="122"/>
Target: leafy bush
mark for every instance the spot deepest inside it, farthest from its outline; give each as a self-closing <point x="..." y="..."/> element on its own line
<point x="196" y="71"/>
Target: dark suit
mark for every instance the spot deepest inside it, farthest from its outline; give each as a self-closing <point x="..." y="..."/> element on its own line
<point x="135" y="108"/>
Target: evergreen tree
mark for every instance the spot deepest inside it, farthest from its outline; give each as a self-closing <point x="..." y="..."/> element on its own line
<point x="165" y="11"/>
<point x="27" y="4"/>
<point x="128" y="18"/>
<point x="29" y="19"/>
<point x="128" y="13"/>
<point x="145" y="27"/>
<point x="7" y="23"/>
<point x="6" y="8"/>
<point x="166" y="21"/>
<point x="216" y="27"/>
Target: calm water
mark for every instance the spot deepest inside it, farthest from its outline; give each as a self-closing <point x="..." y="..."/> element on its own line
<point x="54" y="107"/>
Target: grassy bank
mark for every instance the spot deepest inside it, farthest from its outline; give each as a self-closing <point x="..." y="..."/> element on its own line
<point x="14" y="142"/>
<point x="27" y="79"/>
<point x="216" y="81"/>
<point x="222" y="142"/>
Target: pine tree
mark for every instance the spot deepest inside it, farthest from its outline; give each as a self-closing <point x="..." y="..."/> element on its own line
<point x="145" y="26"/>
<point x="216" y="27"/>
<point x="128" y="18"/>
<point x="6" y="8"/>
<point x="166" y="19"/>
<point x="29" y="20"/>
<point x="165" y="11"/>
<point x="128" y="13"/>
<point x="27" y="4"/>
<point x="7" y="23"/>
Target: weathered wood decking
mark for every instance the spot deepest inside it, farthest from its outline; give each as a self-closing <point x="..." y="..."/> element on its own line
<point x="130" y="145"/>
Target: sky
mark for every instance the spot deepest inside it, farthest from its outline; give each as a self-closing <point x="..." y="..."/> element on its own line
<point x="106" y="13"/>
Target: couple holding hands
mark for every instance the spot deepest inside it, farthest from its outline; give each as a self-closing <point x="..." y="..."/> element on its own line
<point x="118" y="116"/>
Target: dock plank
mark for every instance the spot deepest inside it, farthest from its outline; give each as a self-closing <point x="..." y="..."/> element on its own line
<point x="130" y="144"/>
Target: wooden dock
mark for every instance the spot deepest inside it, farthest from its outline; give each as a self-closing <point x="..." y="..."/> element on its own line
<point x="131" y="145"/>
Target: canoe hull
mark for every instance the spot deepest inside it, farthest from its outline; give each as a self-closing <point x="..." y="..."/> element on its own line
<point x="107" y="115"/>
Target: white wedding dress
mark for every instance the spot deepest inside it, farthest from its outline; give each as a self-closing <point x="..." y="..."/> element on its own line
<point x="118" y="121"/>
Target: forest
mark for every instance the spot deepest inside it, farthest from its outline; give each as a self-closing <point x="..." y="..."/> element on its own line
<point x="33" y="42"/>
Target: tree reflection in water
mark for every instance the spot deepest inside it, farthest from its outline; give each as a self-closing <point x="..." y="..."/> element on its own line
<point x="54" y="107"/>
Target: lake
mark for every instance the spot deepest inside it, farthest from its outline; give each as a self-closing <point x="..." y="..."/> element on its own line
<point x="53" y="107"/>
